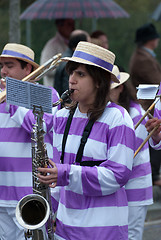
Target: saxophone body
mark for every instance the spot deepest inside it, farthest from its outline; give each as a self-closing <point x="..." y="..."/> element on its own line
<point x="34" y="210"/>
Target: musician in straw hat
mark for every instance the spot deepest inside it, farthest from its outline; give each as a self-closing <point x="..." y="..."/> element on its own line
<point x="90" y="198"/>
<point x="155" y="122"/>
<point x="139" y="186"/>
<point x="17" y="61"/>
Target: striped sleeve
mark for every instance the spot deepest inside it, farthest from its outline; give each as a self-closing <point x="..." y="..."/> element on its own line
<point x="112" y="139"/>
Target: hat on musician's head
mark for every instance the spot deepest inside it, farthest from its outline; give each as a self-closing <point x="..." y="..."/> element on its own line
<point x="19" y="51"/>
<point x="146" y="33"/>
<point x="121" y="76"/>
<point x="92" y="54"/>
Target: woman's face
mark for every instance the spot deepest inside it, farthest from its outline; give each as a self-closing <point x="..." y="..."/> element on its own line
<point x="84" y="88"/>
<point x="115" y="93"/>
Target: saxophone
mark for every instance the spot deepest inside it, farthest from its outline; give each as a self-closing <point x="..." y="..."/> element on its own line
<point x="34" y="211"/>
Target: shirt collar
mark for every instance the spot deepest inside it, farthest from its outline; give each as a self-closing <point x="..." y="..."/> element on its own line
<point x="150" y="51"/>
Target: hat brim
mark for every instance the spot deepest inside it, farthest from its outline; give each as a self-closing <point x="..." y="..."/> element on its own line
<point x="83" y="61"/>
<point x="123" y="78"/>
<point x="35" y="65"/>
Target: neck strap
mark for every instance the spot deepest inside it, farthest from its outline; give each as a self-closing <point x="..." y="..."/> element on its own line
<point x="83" y="141"/>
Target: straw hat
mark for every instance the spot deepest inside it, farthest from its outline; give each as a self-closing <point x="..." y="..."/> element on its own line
<point x="19" y="51"/>
<point x="121" y="76"/>
<point x="92" y="54"/>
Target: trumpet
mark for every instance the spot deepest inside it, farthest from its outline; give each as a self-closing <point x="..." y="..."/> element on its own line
<point x="38" y="73"/>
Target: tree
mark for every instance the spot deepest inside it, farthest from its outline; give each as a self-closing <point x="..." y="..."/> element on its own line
<point x="14" y="22"/>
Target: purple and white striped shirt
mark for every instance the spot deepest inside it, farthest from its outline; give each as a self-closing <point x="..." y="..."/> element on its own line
<point x="91" y="202"/>
<point x="157" y="113"/>
<point x="139" y="187"/>
<point x="15" y="151"/>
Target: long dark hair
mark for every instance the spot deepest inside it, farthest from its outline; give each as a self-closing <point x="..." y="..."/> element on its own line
<point x="128" y="94"/>
<point x="102" y="79"/>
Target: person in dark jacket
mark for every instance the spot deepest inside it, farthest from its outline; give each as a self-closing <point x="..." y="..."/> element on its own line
<point x="61" y="77"/>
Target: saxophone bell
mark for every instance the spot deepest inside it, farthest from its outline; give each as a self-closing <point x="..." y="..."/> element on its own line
<point x="32" y="211"/>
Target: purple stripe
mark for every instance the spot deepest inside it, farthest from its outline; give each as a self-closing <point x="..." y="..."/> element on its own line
<point x="139" y="194"/>
<point x="54" y="204"/>
<point x="139" y="141"/>
<point x="70" y="157"/>
<point x="137" y="118"/>
<point x="99" y="132"/>
<point x="141" y="170"/>
<point x="93" y="233"/>
<point x="14" y="135"/>
<point x="157" y="113"/>
<point x="16" y="54"/>
<point x="3" y="108"/>
<point x="63" y="174"/>
<point x="114" y="105"/>
<point x="14" y="193"/>
<point x="48" y="138"/>
<point x="121" y="172"/>
<point x="93" y="59"/>
<point x="15" y="164"/>
<point x="78" y="201"/>
<point x="90" y="184"/>
<point x="117" y="135"/>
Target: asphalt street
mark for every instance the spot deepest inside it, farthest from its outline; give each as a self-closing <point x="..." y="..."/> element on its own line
<point x="152" y="227"/>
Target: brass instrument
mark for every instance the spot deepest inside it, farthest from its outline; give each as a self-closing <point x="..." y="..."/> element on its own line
<point x="34" y="210"/>
<point x="38" y="73"/>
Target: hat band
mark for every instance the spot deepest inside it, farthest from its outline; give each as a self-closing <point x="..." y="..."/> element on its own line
<point x="16" y="54"/>
<point x="93" y="59"/>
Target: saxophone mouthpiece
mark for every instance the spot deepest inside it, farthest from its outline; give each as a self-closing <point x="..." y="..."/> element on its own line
<point x="65" y="97"/>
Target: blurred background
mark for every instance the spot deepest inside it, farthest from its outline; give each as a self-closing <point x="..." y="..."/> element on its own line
<point x="120" y="31"/>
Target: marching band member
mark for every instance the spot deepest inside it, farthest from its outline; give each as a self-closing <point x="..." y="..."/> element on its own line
<point x="17" y="61"/>
<point x="90" y="174"/>
<point x="155" y="140"/>
<point x="139" y="186"/>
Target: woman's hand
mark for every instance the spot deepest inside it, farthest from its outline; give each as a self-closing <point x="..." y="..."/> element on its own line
<point x="2" y="83"/>
<point x="150" y="125"/>
<point x="48" y="176"/>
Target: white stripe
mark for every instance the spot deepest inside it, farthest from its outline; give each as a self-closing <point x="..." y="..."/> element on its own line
<point x="140" y="182"/>
<point x="141" y="203"/>
<point x="20" y="150"/>
<point x="75" y="177"/>
<point x="93" y="216"/>
<point x="123" y="156"/>
<point x="8" y="203"/>
<point x="142" y="157"/>
<point x="56" y="237"/>
<point x="17" y="179"/>
<point x="107" y="181"/>
<point x="49" y="148"/>
<point x="20" y="114"/>
<point x="55" y="193"/>
<point x="6" y="121"/>
<point x="141" y="132"/>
